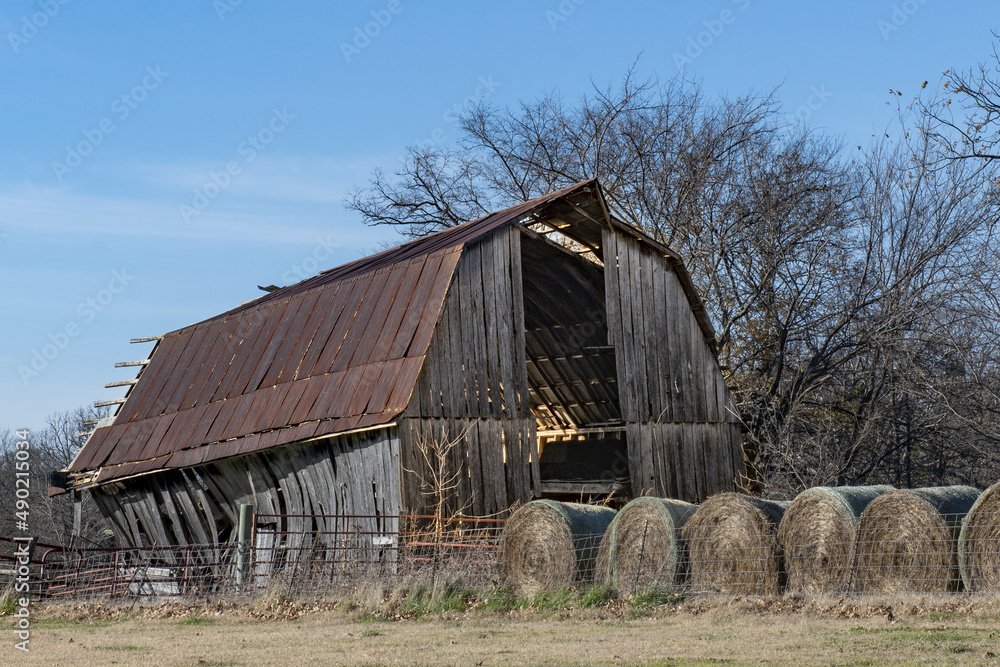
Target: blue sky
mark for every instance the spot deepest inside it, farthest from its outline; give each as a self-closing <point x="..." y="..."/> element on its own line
<point x="160" y="160"/>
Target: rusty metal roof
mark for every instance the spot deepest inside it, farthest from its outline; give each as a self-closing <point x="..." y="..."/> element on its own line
<point x="333" y="353"/>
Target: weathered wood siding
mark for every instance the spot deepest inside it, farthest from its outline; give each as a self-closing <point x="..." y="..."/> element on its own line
<point x="684" y="439"/>
<point x="473" y="388"/>
<point x="356" y="474"/>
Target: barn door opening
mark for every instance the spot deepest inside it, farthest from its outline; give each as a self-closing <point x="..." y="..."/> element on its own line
<point x="572" y="377"/>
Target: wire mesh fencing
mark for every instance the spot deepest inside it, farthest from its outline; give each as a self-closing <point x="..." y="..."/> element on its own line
<point x="342" y="556"/>
<point x="349" y="555"/>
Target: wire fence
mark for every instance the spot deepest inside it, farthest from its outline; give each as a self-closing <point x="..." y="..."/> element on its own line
<point x="344" y="555"/>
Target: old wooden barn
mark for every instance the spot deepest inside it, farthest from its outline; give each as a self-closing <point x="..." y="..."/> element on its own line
<point x="563" y="352"/>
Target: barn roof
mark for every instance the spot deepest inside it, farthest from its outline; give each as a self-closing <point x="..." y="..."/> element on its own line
<point x="337" y="352"/>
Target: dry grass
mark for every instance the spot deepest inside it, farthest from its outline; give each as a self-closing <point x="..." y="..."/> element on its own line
<point x="738" y="631"/>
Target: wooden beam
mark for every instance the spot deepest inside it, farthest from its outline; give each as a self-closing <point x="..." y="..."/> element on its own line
<point x="116" y="401"/>
<point x="121" y="383"/>
<point x="595" y="487"/>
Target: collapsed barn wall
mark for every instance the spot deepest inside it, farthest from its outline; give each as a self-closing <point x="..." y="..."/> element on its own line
<point x="473" y="390"/>
<point x="351" y="474"/>
<point x="684" y="436"/>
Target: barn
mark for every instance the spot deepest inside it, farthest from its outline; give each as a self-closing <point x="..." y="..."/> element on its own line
<point x="547" y="349"/>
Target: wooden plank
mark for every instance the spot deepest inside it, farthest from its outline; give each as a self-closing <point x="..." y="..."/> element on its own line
<point x="633" y="442"/>
<point x="671" y="434"/>
<point x="582" y="488"/>
<point x="647" y="332"/>
<point x="477" y="482"/>
<point x="470" y="273"/>
<point x="660" y="342"/>
<point x="736" y="443"/>
<point x="691" y="432"/>
<point x="460" y="464"/>
<point x="504" y="315"/>
<point x="226" y="491"/>
<point x="486" y="458"/>
<point x="442" y="357"/>
<point x="689" y="463"/>
<point x="457" y="402"/>
<point x="512" y="462"/>
<point x="660" y="488"/>
<point x="406" y="480"/>
<point x="649" y="461"/>
<point x="698" y="371"/>
<point x="462" y="288"/>
<point x="503" y="494"/>
<point x="678" y="357"/>
<point x="536" y="477"/>
<point x="710" y="373"/>
<point x="396" y="474"/>
<point x="491" y="276"/>
<point x="637" y="337"/>
<point x="628" y="366"/>
<point x="195" y="521"/>
<point x="130" y="519"/>
<point x="517" y="323"/>
<point x="420" y="400"/>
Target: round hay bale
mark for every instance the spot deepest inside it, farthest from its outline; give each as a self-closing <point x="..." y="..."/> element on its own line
<point x="979" y="543"/>
<point x="907" y="540"/>
<point x="817" y="534"/>
<point x="642" y="549"/>
<point x="546" y="544"/>
<point x="732" y="545"/>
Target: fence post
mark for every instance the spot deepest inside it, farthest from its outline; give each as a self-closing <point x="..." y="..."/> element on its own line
<point x="243" y="544"/>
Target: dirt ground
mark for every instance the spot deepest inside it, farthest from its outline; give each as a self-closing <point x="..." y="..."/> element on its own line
<point x="731" y="632"/>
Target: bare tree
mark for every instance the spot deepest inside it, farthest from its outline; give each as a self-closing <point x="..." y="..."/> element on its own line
<point x="53" y="448"/>
<point x="964" y="111"/>
<point x="849" y="290"/>
<point x="439" y="477"/>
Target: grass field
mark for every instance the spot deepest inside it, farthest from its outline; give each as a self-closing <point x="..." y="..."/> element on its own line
<point x="721" y="632"/>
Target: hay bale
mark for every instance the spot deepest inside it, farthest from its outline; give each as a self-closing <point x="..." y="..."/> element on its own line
<point x="979" y="543"/>
<point x="732" y="545"/>
<point x="907" y="540"/>
<point x="642" y="547"/>
<point x="817" y="535"/>
<point x="546" y="544"/>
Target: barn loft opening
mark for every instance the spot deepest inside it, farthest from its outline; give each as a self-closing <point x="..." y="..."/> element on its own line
<point x="572" y="378"/>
